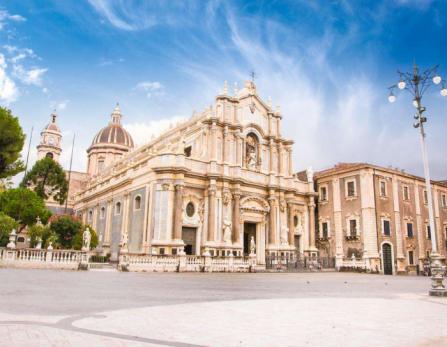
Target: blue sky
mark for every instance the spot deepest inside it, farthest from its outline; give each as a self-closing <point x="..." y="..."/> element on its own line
<point x="326" y="63"/>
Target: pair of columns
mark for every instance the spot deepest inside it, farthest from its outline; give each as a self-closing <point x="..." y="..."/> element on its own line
<point x="212" y="215"/>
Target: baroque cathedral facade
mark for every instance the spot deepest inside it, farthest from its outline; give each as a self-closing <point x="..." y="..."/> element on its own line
<point x="215" y="184"/>
<point x="223" y="182"/>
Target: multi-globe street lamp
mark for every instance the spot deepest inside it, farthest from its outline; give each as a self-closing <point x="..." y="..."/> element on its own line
<point x="417" y="83"/>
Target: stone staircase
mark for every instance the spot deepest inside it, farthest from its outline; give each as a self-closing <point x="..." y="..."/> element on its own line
<point x="106" y="267"/>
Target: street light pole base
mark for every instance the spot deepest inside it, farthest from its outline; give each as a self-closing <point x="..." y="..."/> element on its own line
<point x="438" y="292"/>
<point x="437" y="276"/>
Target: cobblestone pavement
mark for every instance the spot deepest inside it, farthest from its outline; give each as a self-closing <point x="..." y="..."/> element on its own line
<point x="63" y="308"/>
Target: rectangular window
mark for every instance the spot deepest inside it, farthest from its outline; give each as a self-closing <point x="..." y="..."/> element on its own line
<point x="386" y="228"/>
<point x="410" y="229"/>
<point x="351" y="188"/>
<point x="425" y="197"/>
<point x="444" y="200"/>
<point x="353" y="227"/>
<point x="188" y="151"/>
<point x="323" y="194"/>
<point x="406" y="193"/>
<point x="428" y="232"/>
<point x="325" y="230"/>
<point x="410" y="258"/>
<point x="382" y="188"/>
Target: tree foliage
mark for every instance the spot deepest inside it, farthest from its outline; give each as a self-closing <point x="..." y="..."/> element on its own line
<point x="66" y="227"/>
<point x="23" y="205"/>
<point x="6" y="225"/>
<point x="11" y="144"/>
<point x="47" y="179"/>
<point x="44" y="233"/>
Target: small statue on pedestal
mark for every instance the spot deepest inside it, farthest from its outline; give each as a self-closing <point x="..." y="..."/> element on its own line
<point x="252" y="245"/>
<point x="86" y="239"/>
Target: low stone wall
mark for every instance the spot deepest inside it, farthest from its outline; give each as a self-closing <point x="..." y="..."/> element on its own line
<point x="43" y="259"/>
<point x="186" y="263"/>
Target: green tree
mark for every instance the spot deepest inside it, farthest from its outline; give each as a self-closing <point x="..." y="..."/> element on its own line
<point x="6" y="225"/>
<point x="66" y="227"/>
<point x="23" y="205"/>
<point x="78" y="238"/>
<point x="44" y="233"/>
<point x="11" y="144"/>
<point x="47" y="179"/>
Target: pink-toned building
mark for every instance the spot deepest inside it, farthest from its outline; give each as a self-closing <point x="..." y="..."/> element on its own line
<point x="379" y="216"/>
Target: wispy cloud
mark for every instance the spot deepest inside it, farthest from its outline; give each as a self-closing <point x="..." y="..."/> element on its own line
<point x="150" y="88"/>
<point x="137" y="15"/>
<point x="5" y="16"/>
<point x="31" y="76"/>
<point x="144" y="132"/>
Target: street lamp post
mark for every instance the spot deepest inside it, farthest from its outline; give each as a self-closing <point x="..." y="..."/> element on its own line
<point x="417" y="83"/>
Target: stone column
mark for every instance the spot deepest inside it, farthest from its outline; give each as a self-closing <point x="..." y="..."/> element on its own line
<point x="312" y="223"/>
<point x="211" y="213"/>
<point x="290" y="173"/>
<point x="108" y="225"/>
<point x="178" y="207"/>
<point x="280" y="160"/>
<point x="291" y="224"/>
<point x="213" y="141"/>
<point x="271" y="156"/>
<point x="238" y="142"/>
<point x="236" y="216"/>
<point x="272" y="220"/>
<point x="225" y="145"/>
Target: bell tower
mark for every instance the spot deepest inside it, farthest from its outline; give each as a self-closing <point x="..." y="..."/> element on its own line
<point x="50" y="140"/>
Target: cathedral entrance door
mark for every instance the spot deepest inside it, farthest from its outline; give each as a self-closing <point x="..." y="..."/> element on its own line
<point x="296" y="241"/>
<point x="249" y="231"/>
<point x="189" y="238"/>
<point x="387" y="258"/>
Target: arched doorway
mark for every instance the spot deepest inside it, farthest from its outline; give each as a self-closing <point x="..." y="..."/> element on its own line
<point x="387" y="259"/>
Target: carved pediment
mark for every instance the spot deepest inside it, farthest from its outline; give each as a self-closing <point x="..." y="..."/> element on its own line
<point x="255" y="204"/>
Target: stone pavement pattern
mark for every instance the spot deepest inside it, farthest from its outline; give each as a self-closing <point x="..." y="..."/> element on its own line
<point x="57" y="308"/>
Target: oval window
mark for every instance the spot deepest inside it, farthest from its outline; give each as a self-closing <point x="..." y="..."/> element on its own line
<point x="190" y="209"/>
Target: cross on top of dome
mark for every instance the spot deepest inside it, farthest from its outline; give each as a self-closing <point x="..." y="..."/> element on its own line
<point x="116" y="114"/>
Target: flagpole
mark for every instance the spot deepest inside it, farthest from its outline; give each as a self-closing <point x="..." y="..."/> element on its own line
<point x="69" y="172"/>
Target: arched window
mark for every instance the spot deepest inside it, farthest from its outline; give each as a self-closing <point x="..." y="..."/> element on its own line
<point x="118" y="208"/>
<point x="100" y="164"/>
<point x="137" y="203"/>
<point x="49" y="155"/>
<point x="252" y="157"/>
<point x="90" y="215"/>
<point x="20" y="239"/>
<point x="102" y="212"/>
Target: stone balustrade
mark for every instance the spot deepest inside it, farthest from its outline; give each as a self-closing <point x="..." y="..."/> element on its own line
<point x="43" y="258"/>
<point x="354" y="263"/>
<point x="185" y="263"/>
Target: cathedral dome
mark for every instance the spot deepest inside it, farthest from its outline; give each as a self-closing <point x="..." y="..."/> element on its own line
<point x="114" y="133"/>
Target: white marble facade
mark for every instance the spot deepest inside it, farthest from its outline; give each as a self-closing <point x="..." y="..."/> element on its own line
<point x="205" y="186"/>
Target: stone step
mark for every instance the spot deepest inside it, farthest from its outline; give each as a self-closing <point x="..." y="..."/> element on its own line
<point x="103" y="267"/>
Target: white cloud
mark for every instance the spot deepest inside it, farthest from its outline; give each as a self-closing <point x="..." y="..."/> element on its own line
<point x="8" y="89"/>
<point x="143" y="132"/>
<point x="5" y="17"/>
<point x="59" y="105"/>
<point x="150" y="88"/>
<point x="32" y="76"/>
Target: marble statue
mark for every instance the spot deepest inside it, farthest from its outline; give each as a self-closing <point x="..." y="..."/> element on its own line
<point x="227" y="231"/>
<point x="252" y="245"/>
<point x="86" y="239"/>
<point x="283" y="235"/>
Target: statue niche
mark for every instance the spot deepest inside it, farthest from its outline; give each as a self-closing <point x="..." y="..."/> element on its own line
<point x="252" y="155"/>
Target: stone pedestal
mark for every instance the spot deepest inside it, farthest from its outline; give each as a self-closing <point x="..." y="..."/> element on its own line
<point x="437" y="276"/>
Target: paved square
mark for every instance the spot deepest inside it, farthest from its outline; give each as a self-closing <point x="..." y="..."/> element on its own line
<point x="63" y="308"/>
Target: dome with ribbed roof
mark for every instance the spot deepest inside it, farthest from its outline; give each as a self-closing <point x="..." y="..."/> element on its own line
<point x="114" y="133"/>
